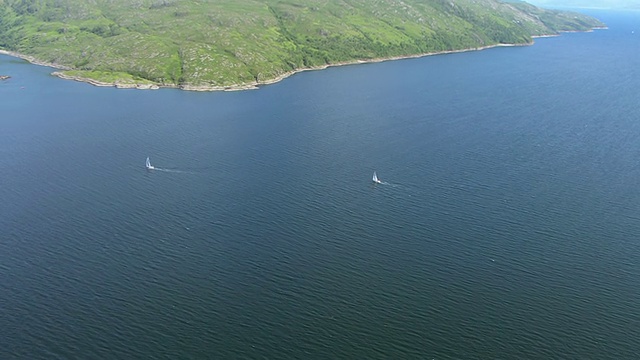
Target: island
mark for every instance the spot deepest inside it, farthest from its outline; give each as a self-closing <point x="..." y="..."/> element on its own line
<point x="241" y="44"/>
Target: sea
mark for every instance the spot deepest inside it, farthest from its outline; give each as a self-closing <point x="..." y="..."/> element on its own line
<point x="506" y="226"/>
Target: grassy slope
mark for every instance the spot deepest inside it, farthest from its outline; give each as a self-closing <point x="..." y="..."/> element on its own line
<point x="233" y="42"/>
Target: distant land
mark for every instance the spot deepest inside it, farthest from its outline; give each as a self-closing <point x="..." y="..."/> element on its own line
<point x="236" y="44"/>
<point x="598" y="4"/>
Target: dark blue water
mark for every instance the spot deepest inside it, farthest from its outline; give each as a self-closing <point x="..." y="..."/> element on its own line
<point x="508" y="226"/>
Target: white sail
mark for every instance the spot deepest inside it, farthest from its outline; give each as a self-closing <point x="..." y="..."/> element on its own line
<point x="148" y="164"/>
<point x="375" y="178"/>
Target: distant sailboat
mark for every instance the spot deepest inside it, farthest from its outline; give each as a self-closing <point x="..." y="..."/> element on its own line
<point x="375" y="178"/>
<point x="148" y="165"/>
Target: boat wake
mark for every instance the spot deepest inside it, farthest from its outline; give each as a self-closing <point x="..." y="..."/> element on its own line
<point x="377" y="181"/>
<point x="388" y="184"/>
<point x="175" y="171"/>
<point x="169" y="170"/>
<point x="150" y="167"/>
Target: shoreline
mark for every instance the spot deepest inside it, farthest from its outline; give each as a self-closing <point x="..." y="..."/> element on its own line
<point x="256" y="84"/>
<point x="106" y="84"/>
<point x="33" y="60"/>
<point x="237" y="87"/>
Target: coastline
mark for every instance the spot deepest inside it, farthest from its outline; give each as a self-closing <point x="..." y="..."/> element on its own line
<point x="236" y="87"/>
<point x="252" y="85"/>
<point x="33" y="60"/>
<point x="256" y="84"/>
<point x="106" y="84"/>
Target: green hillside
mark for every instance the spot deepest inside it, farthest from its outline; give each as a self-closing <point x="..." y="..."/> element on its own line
<point x="220" y="43"/>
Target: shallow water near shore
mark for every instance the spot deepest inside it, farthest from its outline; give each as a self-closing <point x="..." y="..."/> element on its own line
<point x="506" y="226"/>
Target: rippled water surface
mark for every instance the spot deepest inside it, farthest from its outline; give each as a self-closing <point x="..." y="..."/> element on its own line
<point x="507" y="226"/>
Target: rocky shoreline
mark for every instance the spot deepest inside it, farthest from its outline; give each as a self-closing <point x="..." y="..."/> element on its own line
<point x="33" y="60"/>
<point x="257" y="84"/>
<point x="101" y="83"/>
<point x="247" y="86"/>
<point x="234" y="87"/>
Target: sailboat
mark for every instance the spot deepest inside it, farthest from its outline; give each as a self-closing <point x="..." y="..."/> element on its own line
<point x="148" y="165"/>
<point x="375" y="178"/>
